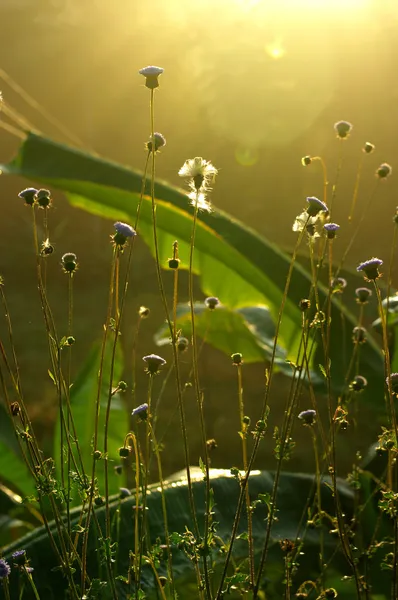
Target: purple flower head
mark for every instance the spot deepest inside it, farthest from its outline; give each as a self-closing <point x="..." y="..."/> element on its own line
<point x="308" y="417"/>
<point x="5" y="569"/>
<point x="384" y="171"/>
<point x="371" y="268"/>
<point x="124" y="493"/>
<point x="342" y="129"/>
<point x="358" y="384"/>
<point x="19" y="557"/>
<point x="315" y="206"/>
<point x="331" y="229"/>
<point x="363" y="294"/>
<point x="142" y="408"/>
<point x="124" y="229"/>
<point x="212" y="302"/>
<point x="153" y="363"/>
<point x="123" y="233"/>
<point x="29" y="195"/>
<point x="393" y="382"/>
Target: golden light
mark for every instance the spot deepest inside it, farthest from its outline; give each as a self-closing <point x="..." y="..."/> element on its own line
<point x="275" y="51"/>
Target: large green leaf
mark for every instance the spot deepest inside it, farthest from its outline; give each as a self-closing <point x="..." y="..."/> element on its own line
<point x="83" y="397"/>
<point x="233" y="261"/>
<point x="294" y="492"/>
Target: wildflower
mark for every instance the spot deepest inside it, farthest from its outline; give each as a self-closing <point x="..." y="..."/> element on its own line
<point x="237" y="358"/>
<point x="174" y="263"/>
<point x="159" y="140"/>
<point x="363" y="294"/>
<point x="69" y="262"/>
<point x="153" y="363"/>
<point x="200" y="173"/>
<point x="370" y="268"/>
<point x="338" y="284"/>
<point x="368" y="148"/>
<point x="123" y="232"/>
<point x="304" y="304"/>
<point x="122" y="386"/>
<point x="384" y="171"/>
<point x="342" y="129"/>
<point x="330" y="593"/>
<point x="124" y="492"/>
<point x="151" y="75"/>
<point x="211" y="444"/>
<point x="308" y="417"/>
<point x="392" y="381"/>
<point x="306" y="160"/>
<point x="331" y="230"/>
<point x="395" y="217"/>
<point x="212" y="302"/>
<point x="5" y="569"/>
<point x="315" y="206"/>
<point x="358" y="384"/>
<point x="19" y="557"/>
<point x="46" y="248"/>
<point x="182" y="344"/>
<point x="124" y="452"/>
<point x="142" y="408"/>
<point x="359" y="335"/>
<point x="144" y="312"/>
<point x="43" y="198"/>
<point x="118" y="469"/>
<point x="29" y="195"/>
<point x="304" y="221"/>
<point x="198" y="169"/>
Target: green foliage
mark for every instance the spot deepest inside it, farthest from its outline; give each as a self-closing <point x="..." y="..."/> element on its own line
<point x="226" y="490"/>
<point x="233" y="262"/>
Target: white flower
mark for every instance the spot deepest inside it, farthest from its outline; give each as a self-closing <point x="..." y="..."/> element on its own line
<point x="198" y="167"/>
<point x="303" y="220"/>
<point x="151" y="71"/>
<point x="200" y="199"/>
<point x="199" y="173"/>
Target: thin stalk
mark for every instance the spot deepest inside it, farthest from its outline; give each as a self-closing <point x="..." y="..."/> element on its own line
<point x="199" y="400"/>
<point x="243" y="435"/>
<point x="96" y="426"/>
<point x="170" y="326"/>
<point x="164" y="511"/>
<point x="147" y="449"/>
<point x="256" y="444"/>
<point x="356" y="189"/>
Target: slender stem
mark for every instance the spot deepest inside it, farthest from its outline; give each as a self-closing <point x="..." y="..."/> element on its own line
<point x="96" y="425"/>
<point x="164" y="510"/>
<point x="170" y="326"/>
<point x="356" y="189"/>
<point x="199" y="400"/>
<point x="243" y="435"/>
